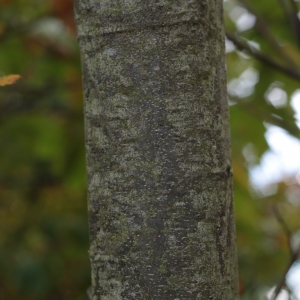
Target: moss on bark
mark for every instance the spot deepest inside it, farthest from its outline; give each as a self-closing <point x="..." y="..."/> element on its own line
<point x="158" y="150"/>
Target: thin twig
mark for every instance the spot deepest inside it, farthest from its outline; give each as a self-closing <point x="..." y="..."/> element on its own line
<point x="262" y="114"/>
<point x="263" y="28"/>
<point x="263" y="57"/>
<point x="284" y="226"/>
<point x="281" y="283"/>
<point x="294" y="254"/>
<point x="294" y="7"/>
<point x="295" y="19"/>
<point x="292" y="17"/>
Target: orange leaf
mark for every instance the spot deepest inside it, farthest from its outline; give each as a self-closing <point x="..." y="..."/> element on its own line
<point x="9" y="79"/>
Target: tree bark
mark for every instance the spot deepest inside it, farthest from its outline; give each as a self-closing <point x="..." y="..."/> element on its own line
<point x="158" y="149"/>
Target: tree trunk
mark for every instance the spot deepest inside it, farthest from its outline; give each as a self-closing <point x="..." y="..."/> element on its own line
<point x="158" y="150"/>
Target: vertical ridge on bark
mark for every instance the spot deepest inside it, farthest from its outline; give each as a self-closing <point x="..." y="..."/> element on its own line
<point x="158" y="151"/>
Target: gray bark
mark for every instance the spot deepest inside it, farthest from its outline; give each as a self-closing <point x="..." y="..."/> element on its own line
<point x="158" y="150"/>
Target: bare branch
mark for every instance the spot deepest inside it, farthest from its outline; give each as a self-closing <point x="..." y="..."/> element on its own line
<point x="291" y="12"/>
<point x="263" y="28"/>
<point x="294" y="7"/>
<point x="284" y="226"/>
<point x="262" y="114"/>
<point x="295" y="19"/>
<point x="294" y="253"/>
<point x="294" y="73"/>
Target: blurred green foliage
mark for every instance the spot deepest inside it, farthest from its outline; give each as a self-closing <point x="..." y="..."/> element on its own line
<point x="43" y="216"/>
<point x="44" y="235"/>
<point x="263" y="248"/>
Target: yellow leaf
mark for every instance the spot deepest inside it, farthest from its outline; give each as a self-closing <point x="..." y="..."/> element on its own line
<point x="9" y="79"/>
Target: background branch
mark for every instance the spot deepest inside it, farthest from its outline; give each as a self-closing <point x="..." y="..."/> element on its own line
<point x="263" y="28"/>
<point x="291" y="12"/>
<point x="294" y="253"/>
<point x="263" y="57"/>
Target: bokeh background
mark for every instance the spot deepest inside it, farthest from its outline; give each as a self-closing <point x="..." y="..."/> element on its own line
<point x="43" y="215"/>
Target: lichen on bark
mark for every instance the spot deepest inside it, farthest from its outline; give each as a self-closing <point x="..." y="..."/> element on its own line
<point x="157" y="142"/>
